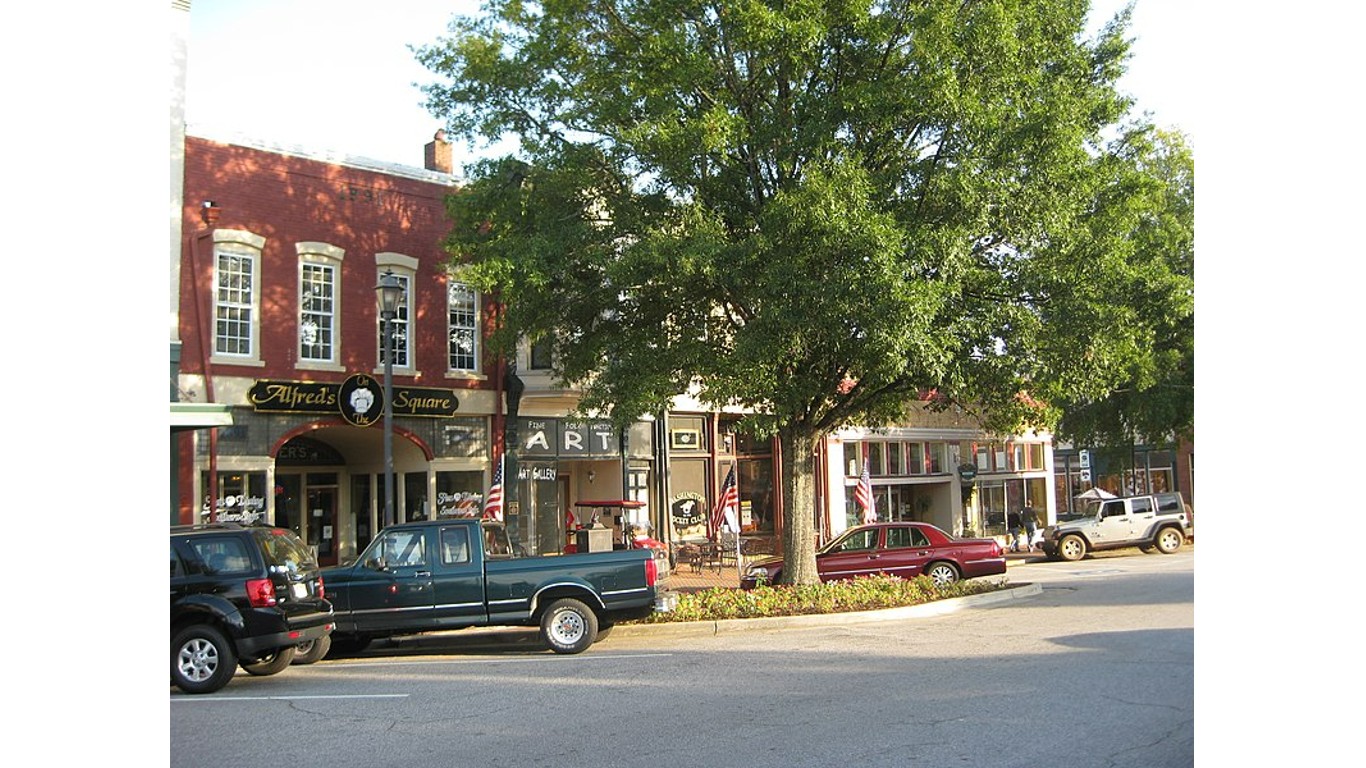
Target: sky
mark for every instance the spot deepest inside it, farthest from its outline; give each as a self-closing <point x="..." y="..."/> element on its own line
<point x="338" y="76"/>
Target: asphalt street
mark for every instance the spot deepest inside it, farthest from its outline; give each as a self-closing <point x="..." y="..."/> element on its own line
<point x="1094" y="668"/>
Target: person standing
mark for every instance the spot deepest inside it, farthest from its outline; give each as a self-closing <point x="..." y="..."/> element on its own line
<point x="1031" y="526"/>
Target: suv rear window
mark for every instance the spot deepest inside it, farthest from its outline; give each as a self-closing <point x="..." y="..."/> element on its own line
<point x="284" y="551"/>
<point x="1169" y="502"/>
<point x="223" y="554"/>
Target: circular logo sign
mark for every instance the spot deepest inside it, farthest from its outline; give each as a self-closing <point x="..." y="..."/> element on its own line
<point x="361" y="400"/>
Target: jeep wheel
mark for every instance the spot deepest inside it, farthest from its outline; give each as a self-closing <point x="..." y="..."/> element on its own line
<point x="1071" y="548"/>
<point x="943" y="574"/>
<point x="271" y="663"/>
<point x="568" y="626"/>
<point x="312" y="651"/>
<point x="1169" y="540"/>
<point x="202" y="659"/>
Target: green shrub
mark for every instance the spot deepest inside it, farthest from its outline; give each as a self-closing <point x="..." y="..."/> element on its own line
<point x="866" y="593"/>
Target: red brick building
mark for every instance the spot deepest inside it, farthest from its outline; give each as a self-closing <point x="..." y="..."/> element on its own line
<point x="279" y="319"/>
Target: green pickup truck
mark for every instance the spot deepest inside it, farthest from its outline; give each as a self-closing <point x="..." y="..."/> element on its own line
<point x="448" y="574"/>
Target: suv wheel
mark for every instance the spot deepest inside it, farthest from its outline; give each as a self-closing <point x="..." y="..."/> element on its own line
<point x="313" y="650"/>
<point x="1072" y="547"/>
<point x="1169" y="540"/>
<point x="271" y="663"/>
<point x="202" y="659"/>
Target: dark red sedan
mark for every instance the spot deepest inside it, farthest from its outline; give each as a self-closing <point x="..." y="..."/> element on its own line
<point x="902" y="549"/>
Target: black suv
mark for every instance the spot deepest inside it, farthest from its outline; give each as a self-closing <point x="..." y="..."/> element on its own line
<point x="249" y="595"/>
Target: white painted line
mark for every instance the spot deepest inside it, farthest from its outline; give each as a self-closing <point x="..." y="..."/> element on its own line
<point x="291" y="698"/>
<point x="512" y="660"/>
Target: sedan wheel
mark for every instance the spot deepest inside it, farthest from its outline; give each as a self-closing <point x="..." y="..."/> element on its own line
<point x="943" y="574"/>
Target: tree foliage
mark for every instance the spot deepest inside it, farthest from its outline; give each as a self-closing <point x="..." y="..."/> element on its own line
<point x="814" y="210"/>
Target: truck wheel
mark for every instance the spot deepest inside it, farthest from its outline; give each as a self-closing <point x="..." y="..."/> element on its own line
<point x="1072" y="548"/>
<point x="568" y="626"/>
<point x="271" y="663"/>
<point x="346" y="645"/>
<point x="1169" y="540"/>
<point x="202" y="659"/>
<point x="943" y="574"/>
<point x="312" y="651"/>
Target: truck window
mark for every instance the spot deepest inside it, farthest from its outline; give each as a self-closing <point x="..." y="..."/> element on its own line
<point x="403" y="549"/>
<point x="455" y="545"/>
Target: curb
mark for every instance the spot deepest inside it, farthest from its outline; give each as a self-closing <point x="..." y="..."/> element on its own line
<point x="924" y="610"/>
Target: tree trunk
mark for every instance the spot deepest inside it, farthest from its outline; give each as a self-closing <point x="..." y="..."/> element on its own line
<point x="799" y="500"/>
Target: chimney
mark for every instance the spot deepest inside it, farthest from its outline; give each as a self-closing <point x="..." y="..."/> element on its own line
<point x="438" y="153"/>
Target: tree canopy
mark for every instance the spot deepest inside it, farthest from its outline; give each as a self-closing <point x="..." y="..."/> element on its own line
<point x="813" y="210"/>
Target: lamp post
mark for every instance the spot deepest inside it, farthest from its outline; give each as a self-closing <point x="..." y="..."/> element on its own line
<point x="390" y="291"/>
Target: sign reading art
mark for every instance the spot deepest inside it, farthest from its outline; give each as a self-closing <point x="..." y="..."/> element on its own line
<point x="359" y="400"/>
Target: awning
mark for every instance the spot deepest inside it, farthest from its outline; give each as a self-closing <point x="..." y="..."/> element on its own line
<point x="199" y="416"/>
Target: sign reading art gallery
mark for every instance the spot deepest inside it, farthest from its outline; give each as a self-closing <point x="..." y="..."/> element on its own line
<point x="359" y="400"/>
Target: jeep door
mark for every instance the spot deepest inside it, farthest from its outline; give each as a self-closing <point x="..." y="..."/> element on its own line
<point x="1113" y="523"/>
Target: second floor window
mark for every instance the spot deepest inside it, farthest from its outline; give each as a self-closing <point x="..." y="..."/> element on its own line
<point x="463" y="327"/>
<point x="317" y="312"/>
<point x="234" y="304"/>
<point x="540" y="354"/>
<point x="399" y="328"/>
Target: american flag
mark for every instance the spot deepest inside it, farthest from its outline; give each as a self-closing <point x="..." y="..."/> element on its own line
<point x="493" y="502"/>
<point x="863" y="494"/>
<point x="728" y="500"/>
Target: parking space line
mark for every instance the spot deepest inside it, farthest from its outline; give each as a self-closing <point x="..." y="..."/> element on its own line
<point x="292" y="698"/>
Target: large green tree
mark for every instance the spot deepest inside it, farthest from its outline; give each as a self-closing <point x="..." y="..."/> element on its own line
<point x="812" y="210"/>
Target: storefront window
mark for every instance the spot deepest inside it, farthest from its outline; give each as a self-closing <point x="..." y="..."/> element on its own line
<point x="459" y="494"/>
<point x="241" y="498"/>
<point x="415" y="496"/>
<point x="360" y="510"/>
<point x="754" y="478"/>
<point x="935" y="461"/>
<point x="915" y="458"/>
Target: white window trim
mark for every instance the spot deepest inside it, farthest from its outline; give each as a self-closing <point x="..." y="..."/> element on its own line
<point x="474" y="373"/>
<point x="404" y="267"/>
<point x="328" y="255"/>
<point x="240" y="243"/>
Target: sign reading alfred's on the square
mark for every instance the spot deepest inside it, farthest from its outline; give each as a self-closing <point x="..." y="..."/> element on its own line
<point x="359" y="400"/>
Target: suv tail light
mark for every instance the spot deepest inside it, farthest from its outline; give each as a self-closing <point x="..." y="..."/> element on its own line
<point x="322" y="593"/>
<point x="261" y="593"/>
<point x="651" y="570"/>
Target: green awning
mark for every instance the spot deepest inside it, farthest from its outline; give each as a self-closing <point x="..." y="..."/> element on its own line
<point x="199" y="415"/>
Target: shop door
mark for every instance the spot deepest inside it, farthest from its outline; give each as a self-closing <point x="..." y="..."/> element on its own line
<point x="322" y="523"/>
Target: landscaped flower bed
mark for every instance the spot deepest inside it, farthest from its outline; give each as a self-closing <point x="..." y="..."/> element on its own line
<point x="865" y="593"/>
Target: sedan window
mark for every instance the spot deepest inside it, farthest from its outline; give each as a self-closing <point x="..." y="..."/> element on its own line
<point x="906" y="536"/>
<point x="859" y="540"/>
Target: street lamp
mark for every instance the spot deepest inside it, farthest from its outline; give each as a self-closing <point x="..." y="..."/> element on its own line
<point x="390" y="292"/>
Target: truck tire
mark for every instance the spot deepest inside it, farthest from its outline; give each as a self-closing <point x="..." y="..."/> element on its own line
<point x="347" y="644"/>
<point x="1071" y="547"/>
<point x="942" y="573"/>
<point x="568" y="626"/>
<point x="312" y="651"/>
<point x="1169" y="540"/>
<point x="202" y="659"/>
<point x="272" y="663"/>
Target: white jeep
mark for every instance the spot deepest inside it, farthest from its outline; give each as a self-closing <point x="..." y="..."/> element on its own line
<point x="1159" y="521"/>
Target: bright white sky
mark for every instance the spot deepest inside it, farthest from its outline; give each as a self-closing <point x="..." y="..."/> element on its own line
<point x="337" y="75"/>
